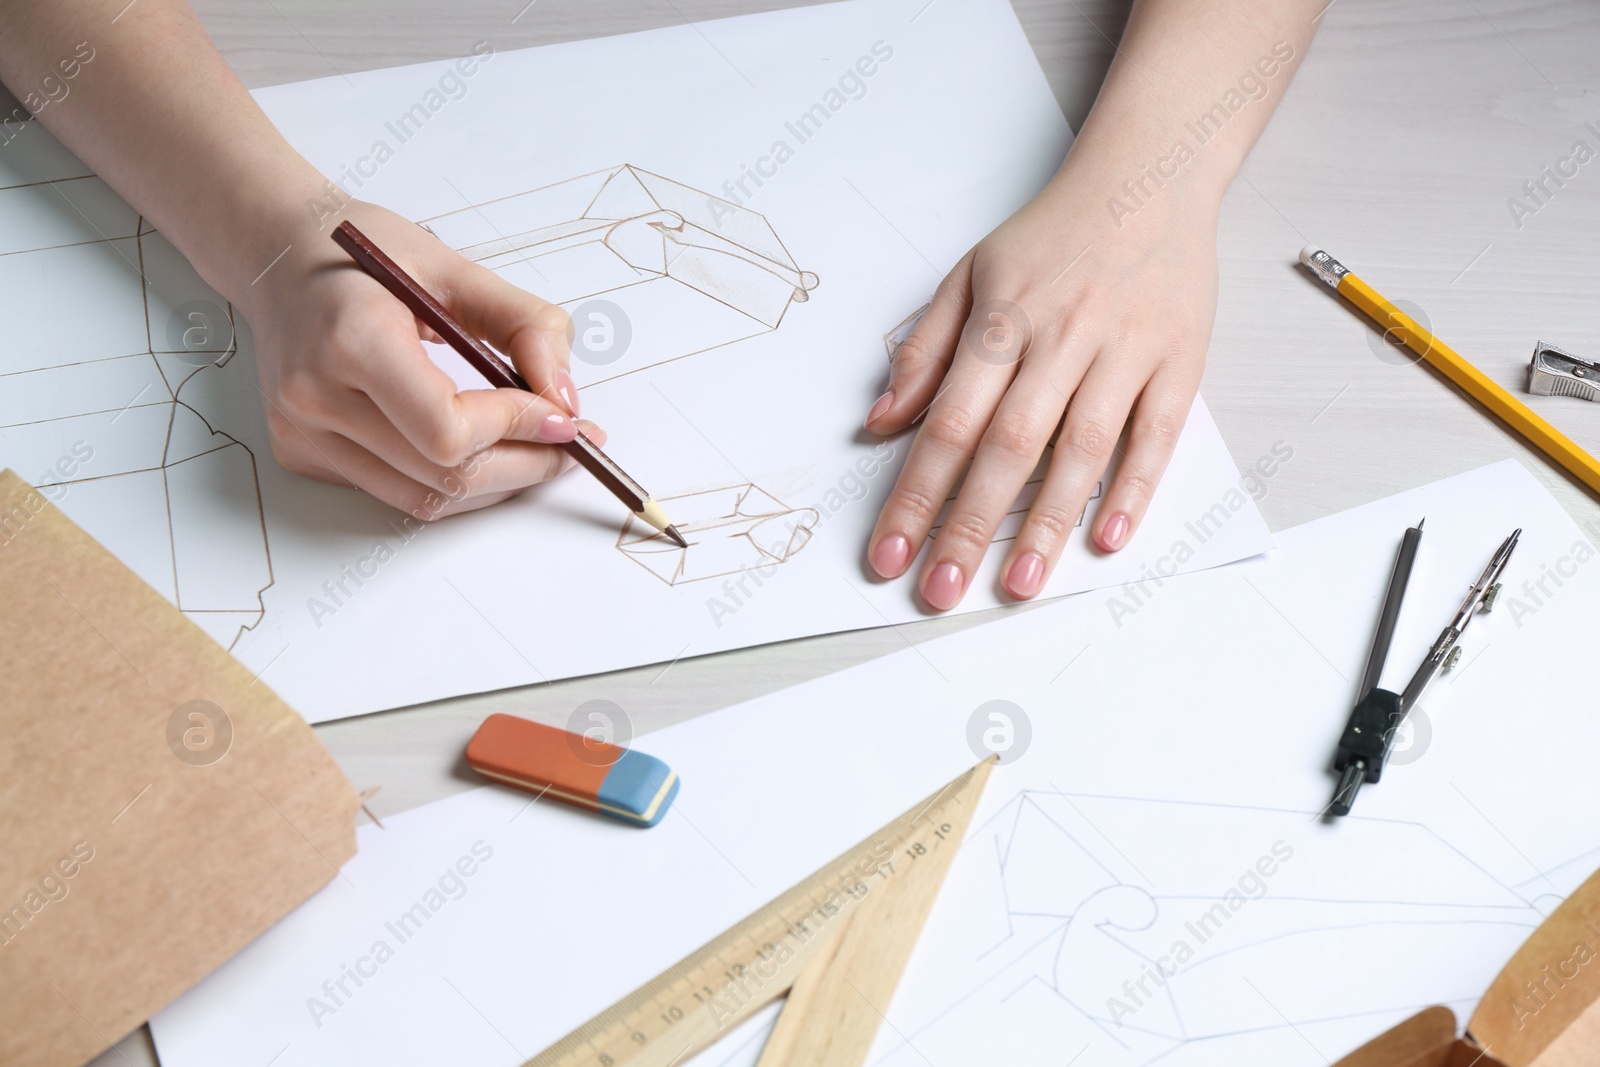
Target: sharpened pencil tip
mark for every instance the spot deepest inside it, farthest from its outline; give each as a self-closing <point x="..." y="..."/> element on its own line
<point x="672" y="532"/>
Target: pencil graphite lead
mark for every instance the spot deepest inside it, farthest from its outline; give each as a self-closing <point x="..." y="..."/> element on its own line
<point x="656" y="516"/>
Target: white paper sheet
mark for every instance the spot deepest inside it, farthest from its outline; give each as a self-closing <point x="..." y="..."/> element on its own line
<point x="760" y="201"/>
<point x="1171" y="750"/>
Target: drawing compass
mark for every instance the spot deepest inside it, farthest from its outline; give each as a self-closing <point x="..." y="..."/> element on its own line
<point x="1370" y="734"/>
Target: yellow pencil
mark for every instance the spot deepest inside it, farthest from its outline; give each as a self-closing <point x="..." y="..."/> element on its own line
<point x="1441" y="357"/>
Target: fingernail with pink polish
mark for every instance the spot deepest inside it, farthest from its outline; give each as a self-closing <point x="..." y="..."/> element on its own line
<point x="1027" y="571"/>
<point x="567" y="390"/>
<point x="879" y="406"/>
<point x="1114" y="534"/>
<point x="557" y="430"/>
<point x="891" y="555"/>
<point x="945" y="586"/>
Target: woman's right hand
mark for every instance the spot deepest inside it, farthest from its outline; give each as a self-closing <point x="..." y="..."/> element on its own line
<point x="352" y="398"/>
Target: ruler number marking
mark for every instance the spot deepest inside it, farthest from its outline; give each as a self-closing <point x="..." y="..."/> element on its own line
<point x="665" y="996"/>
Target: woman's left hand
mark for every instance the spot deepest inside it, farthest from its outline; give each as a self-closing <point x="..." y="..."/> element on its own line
<point x="1060" y="318"/>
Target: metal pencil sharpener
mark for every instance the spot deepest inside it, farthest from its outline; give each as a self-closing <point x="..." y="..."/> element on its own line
<point x="1555" y="372"/>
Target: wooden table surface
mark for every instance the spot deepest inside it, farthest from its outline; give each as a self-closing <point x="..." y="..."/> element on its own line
<point x="1411" y="126"/>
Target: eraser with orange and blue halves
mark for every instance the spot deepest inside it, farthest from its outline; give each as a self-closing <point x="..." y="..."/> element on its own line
<point x="575" y="768"/>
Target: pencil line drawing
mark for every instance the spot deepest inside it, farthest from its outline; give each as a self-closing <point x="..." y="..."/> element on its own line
<point x="691" y="271"/>
<point x="1139" y="946"/>
<point x="136" y="354"/>
<point x="902" y="329"/>
<point x="730" y="530"/>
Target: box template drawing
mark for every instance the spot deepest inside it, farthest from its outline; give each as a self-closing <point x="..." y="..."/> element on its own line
<point x="690" y="271"/>
<point x="730" y="530"/>
<point x="137" y="349"/>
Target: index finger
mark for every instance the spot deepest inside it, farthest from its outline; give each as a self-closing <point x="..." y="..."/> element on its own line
<point x="986" y="362"/>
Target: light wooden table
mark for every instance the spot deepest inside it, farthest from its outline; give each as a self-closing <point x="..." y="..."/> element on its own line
<point x="1408" y="129"/>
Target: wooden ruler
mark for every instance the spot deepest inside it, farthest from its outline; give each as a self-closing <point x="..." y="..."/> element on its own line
<point x="894" y="872"/>
<point x="832" y="1016"/>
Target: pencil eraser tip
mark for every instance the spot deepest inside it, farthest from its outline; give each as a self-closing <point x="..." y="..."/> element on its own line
<point x="1307" y="252"/>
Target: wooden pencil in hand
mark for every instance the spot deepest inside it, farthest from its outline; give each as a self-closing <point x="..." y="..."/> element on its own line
<point x="499" y="373"/>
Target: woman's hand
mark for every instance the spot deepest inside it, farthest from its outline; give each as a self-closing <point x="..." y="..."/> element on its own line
<point x="1059" y="318"/>
<point x="1088" y="310"/>
<point x="349" y="394"/>
<point x="352" y="398"/>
